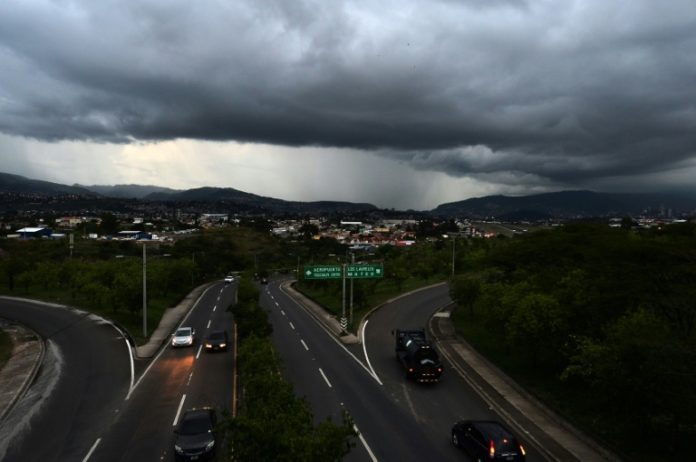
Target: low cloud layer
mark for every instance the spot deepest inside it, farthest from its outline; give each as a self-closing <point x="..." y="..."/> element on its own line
<point x="538" y="91"/>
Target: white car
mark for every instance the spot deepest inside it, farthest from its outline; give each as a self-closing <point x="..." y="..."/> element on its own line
<point x="229" y="279"/>
<point x="184" y="336"/>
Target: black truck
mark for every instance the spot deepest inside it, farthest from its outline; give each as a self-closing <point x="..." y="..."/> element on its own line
<point x="417" y="355"/>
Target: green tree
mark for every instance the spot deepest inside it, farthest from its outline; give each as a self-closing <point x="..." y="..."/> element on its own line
<point x="465" y="291"/>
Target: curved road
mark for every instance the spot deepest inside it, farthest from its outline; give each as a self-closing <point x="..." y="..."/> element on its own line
<point x="397" y="419"/>
<point x="82" y="381"/>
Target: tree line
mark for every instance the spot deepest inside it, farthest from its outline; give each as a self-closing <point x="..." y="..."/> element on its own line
<point x="601" y="320"/>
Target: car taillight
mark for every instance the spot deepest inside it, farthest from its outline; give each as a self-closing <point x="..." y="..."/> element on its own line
<point x="491" y="450"/>
<point x="524" y="453"/>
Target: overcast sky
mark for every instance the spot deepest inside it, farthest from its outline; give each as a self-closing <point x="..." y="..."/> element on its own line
<point x="404" y="104"/>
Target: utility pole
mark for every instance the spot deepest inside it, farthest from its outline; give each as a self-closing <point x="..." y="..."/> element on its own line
<point x="144" y="290"/>
<point x="352" y="255"/>
<point x="344" y="321"/>
<point x="454" y="239"/>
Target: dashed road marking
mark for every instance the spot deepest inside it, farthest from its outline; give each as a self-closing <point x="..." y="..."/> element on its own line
<point x="91" y="450"/>
<point x="304" y="345"/>
<point x="325" y="378"/>
<point x="178" y="411"/>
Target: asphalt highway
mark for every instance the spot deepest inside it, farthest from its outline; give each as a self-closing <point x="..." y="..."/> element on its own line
<point x="332" y="378"/>
<point x="398" y="420"/>
<point x="93" y="402"/>
<point x="176" y="380"/>
<point x="85" y="375"/>
<point x="436" y="407"/>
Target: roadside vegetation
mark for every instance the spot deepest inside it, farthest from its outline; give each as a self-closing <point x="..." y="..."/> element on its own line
<point x="598" y="322"/>
<point x="106" y="277"/>
<point x="272" y="423"/>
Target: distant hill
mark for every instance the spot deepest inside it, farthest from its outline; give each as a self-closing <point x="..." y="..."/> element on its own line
<point x="252" y="202"/>
<point x="21" y="185"/>
<point x="17" y="192"/>
<point x="566" y="204"/>
<point x="129" y="191"/>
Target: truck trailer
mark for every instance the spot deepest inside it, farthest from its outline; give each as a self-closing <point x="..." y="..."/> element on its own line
<point x="417" y="355"/>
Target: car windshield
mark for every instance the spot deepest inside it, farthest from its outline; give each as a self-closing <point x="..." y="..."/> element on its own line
<point x="217" y="336"/>
<point x="183" y="332"/>
<point x="194" y="425"/>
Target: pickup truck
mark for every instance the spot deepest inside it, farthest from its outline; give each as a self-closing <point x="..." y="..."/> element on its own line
<point x="417" y="355"/>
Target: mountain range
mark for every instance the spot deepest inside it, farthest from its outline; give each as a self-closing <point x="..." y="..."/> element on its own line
<point x="563" y="204"/>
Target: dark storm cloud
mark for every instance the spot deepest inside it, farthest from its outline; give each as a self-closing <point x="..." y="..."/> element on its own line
<point x="561" y="91"/>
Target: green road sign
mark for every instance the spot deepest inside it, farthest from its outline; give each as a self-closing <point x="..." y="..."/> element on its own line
<point x="323" y="272"/>
<point x="365" y="271"/>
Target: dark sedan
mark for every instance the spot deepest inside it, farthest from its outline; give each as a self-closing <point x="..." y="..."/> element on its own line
<point x="195" y="435"/>
<point x="487" y="440"/>
<point x="216" y="341"/>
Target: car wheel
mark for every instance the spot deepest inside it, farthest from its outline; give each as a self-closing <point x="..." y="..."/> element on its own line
<point x="455" y="439"/>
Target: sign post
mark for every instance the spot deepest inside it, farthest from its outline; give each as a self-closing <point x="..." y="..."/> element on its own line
<point x="345" y="271"/>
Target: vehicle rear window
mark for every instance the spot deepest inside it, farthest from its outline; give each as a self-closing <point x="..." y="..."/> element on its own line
<point x="195" y="425"/>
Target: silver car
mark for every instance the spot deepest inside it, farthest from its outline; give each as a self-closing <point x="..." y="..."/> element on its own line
<point x="184" y="336"/>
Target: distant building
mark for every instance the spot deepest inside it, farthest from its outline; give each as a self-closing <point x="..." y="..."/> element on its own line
<point x="34" y="233"/>
<point x="135" y="235"/>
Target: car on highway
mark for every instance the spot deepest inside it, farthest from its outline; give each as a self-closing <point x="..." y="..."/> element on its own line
<point x="487" y="440"/>
<point x="229" y="279"/>
<point x="216" y="341"/>
<point x="184" y="336"/>
<point x="195" y="435"/>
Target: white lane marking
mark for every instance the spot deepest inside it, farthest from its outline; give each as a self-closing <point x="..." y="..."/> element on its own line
<point x="215" y="307"/>
<point x="362" y="440"/>
<point x="178" y="411"/>
<point x="325" y="379"/>
<point x="292" y="325"/>
<point x="304" y="345"/>
<point x="282" y="312"/>
<point x="162" y="350"/>
<point x="92" y="449"/>
<point x="130" y="356"/>
<point x="367" y="358"/>
<point x="277" y="304"/>
<point x="332" y="336"/>
<point x="132" y="367"/>
<point x="200" y="347"/>
<point x="209" y="321"/>
<point x="188" y="382"/>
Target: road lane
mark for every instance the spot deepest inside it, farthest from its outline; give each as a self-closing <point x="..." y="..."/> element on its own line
<point x="78" y="391"/>
<point x="386" y="427"/>
<point x="435" y="406"/>
<point x="144" y="430"/>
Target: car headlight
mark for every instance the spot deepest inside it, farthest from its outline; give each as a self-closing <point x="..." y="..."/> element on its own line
<point x="223" y="345"/>
<point x="210" y="445"/>
<point x="208" y="345"/>
<point x="178" y="449"/>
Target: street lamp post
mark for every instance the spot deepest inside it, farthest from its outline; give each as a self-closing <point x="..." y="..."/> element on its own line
<point x="144" y="290"/>
<point x="454" y="239"/>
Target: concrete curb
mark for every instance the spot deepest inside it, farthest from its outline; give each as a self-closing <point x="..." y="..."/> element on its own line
<point x="29" y="378"/>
